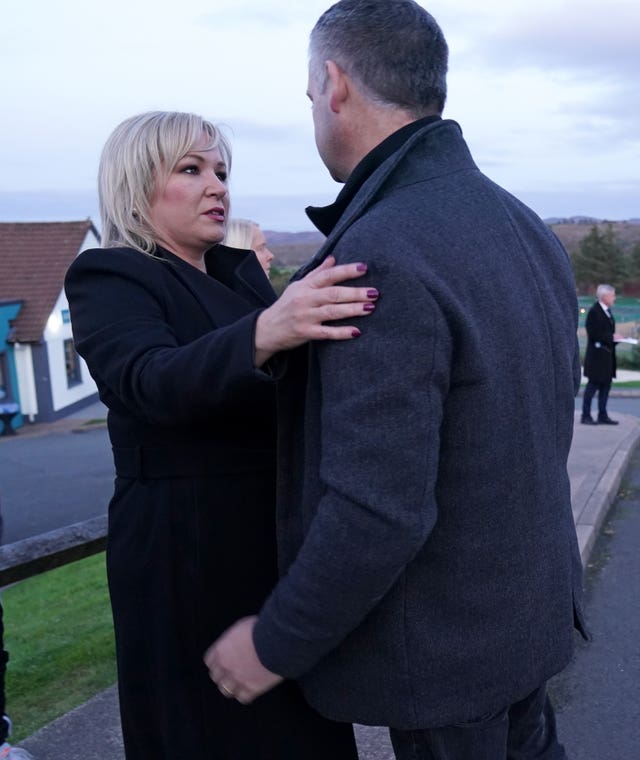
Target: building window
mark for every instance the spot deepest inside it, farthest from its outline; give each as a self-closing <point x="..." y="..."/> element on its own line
<point x="72" y="364"/>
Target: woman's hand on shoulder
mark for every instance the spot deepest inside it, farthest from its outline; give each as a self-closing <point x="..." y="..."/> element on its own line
<point x="306" y="306"/>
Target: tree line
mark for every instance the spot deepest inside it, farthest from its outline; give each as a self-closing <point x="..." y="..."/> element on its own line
<point x="601" y="258"/>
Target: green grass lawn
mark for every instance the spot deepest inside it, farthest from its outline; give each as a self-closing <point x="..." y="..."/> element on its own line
<point x="59" y="635"/>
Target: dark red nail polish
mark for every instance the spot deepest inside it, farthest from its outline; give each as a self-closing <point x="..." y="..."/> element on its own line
<point x="361" y="268"/>
<point x="373" y="293"/>
<point x="369" y="307"/>
<point x="355" y="333"/>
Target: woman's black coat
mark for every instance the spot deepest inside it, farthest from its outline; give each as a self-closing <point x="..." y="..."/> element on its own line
<point x="191" y="545"/>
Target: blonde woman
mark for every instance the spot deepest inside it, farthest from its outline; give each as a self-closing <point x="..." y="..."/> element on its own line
<point x="178" y="334"/>
<point x="243" y="233"/>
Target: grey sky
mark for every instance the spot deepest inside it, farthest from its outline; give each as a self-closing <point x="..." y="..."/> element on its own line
<point x="546" y="94"/>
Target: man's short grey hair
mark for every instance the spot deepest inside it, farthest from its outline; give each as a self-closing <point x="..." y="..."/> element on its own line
<point x="139" y="154"/>
<point x="604" y="289"/>
<point x="393" y="49"/>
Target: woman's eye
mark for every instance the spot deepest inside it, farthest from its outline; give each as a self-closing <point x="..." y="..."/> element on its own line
<point x="222" y="176"/>
<point x="190" y="170"/>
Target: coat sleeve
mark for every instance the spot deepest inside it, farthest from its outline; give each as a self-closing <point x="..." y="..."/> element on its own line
<point x="382" y="404"/>
<point x="119" y="304"/>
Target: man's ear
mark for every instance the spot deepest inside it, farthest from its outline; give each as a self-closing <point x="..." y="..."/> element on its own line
<point x="337" y="82"/>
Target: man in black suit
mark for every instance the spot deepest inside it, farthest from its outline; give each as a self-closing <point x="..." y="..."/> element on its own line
<point x="600" y="357"/>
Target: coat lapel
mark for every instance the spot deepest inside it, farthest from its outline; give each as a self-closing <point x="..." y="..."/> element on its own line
<point x="241" y="272"/>
<point x="234" y="284"/>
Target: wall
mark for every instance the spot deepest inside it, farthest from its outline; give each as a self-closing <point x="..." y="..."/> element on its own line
<point x="9" y="311"/>
<point x="26" y="383"/>
<point x="54" y="396"/>
<point x="57" y="331"/>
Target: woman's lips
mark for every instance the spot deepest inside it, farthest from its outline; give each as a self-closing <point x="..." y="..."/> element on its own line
<point x="217" y="214"/>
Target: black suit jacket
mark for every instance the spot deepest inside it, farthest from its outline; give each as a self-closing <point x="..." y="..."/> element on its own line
<point x="600" y="356"/>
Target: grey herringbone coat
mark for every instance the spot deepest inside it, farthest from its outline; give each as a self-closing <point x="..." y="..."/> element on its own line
<point x="430" y="562"/>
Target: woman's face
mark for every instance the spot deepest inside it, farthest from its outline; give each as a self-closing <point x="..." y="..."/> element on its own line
<point x="189" y="208"/>
<point x="259" y="245"/>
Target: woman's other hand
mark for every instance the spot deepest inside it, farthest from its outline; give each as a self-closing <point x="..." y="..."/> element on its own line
<point x="303" y="310"/>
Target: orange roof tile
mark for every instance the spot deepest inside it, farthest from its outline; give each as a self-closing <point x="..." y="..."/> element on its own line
<point x="34" y="257"/>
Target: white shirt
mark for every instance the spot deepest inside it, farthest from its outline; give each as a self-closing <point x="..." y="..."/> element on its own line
<point x="605" y="308"/>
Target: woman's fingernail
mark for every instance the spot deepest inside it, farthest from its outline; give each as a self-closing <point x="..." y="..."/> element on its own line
<point x="355" y="333"/>
<point x="373" y="293"/>
<point x="369" y="307"/>
<point x="361" y="268"/>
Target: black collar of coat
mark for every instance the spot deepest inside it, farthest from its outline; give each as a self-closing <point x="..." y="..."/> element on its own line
<point x="442" y="151"/>
<point x="233" y="266"/>
<point x="325" y="218"/>
<point x="236" y="269"/>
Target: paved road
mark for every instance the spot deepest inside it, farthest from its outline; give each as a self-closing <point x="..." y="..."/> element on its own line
<point x="597" y="697"/>
<point x="50" y="481"/>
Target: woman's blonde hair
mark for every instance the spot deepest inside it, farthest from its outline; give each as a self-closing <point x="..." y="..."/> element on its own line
<point x="240" y="233"/>
<point x="141" y="151"/>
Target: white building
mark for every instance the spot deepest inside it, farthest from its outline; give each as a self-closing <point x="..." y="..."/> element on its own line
<point x="40" y="370"/>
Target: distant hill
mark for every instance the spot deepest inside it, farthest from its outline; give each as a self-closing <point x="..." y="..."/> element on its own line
<point x="292" y="249"/>
<point x="572" y="232"/>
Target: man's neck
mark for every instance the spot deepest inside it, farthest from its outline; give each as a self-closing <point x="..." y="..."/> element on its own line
<point x="326" y="218"/>
<point x="374" y="128"/>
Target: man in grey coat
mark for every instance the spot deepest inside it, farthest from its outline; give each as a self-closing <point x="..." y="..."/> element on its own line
<point x="431" y="578"/>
